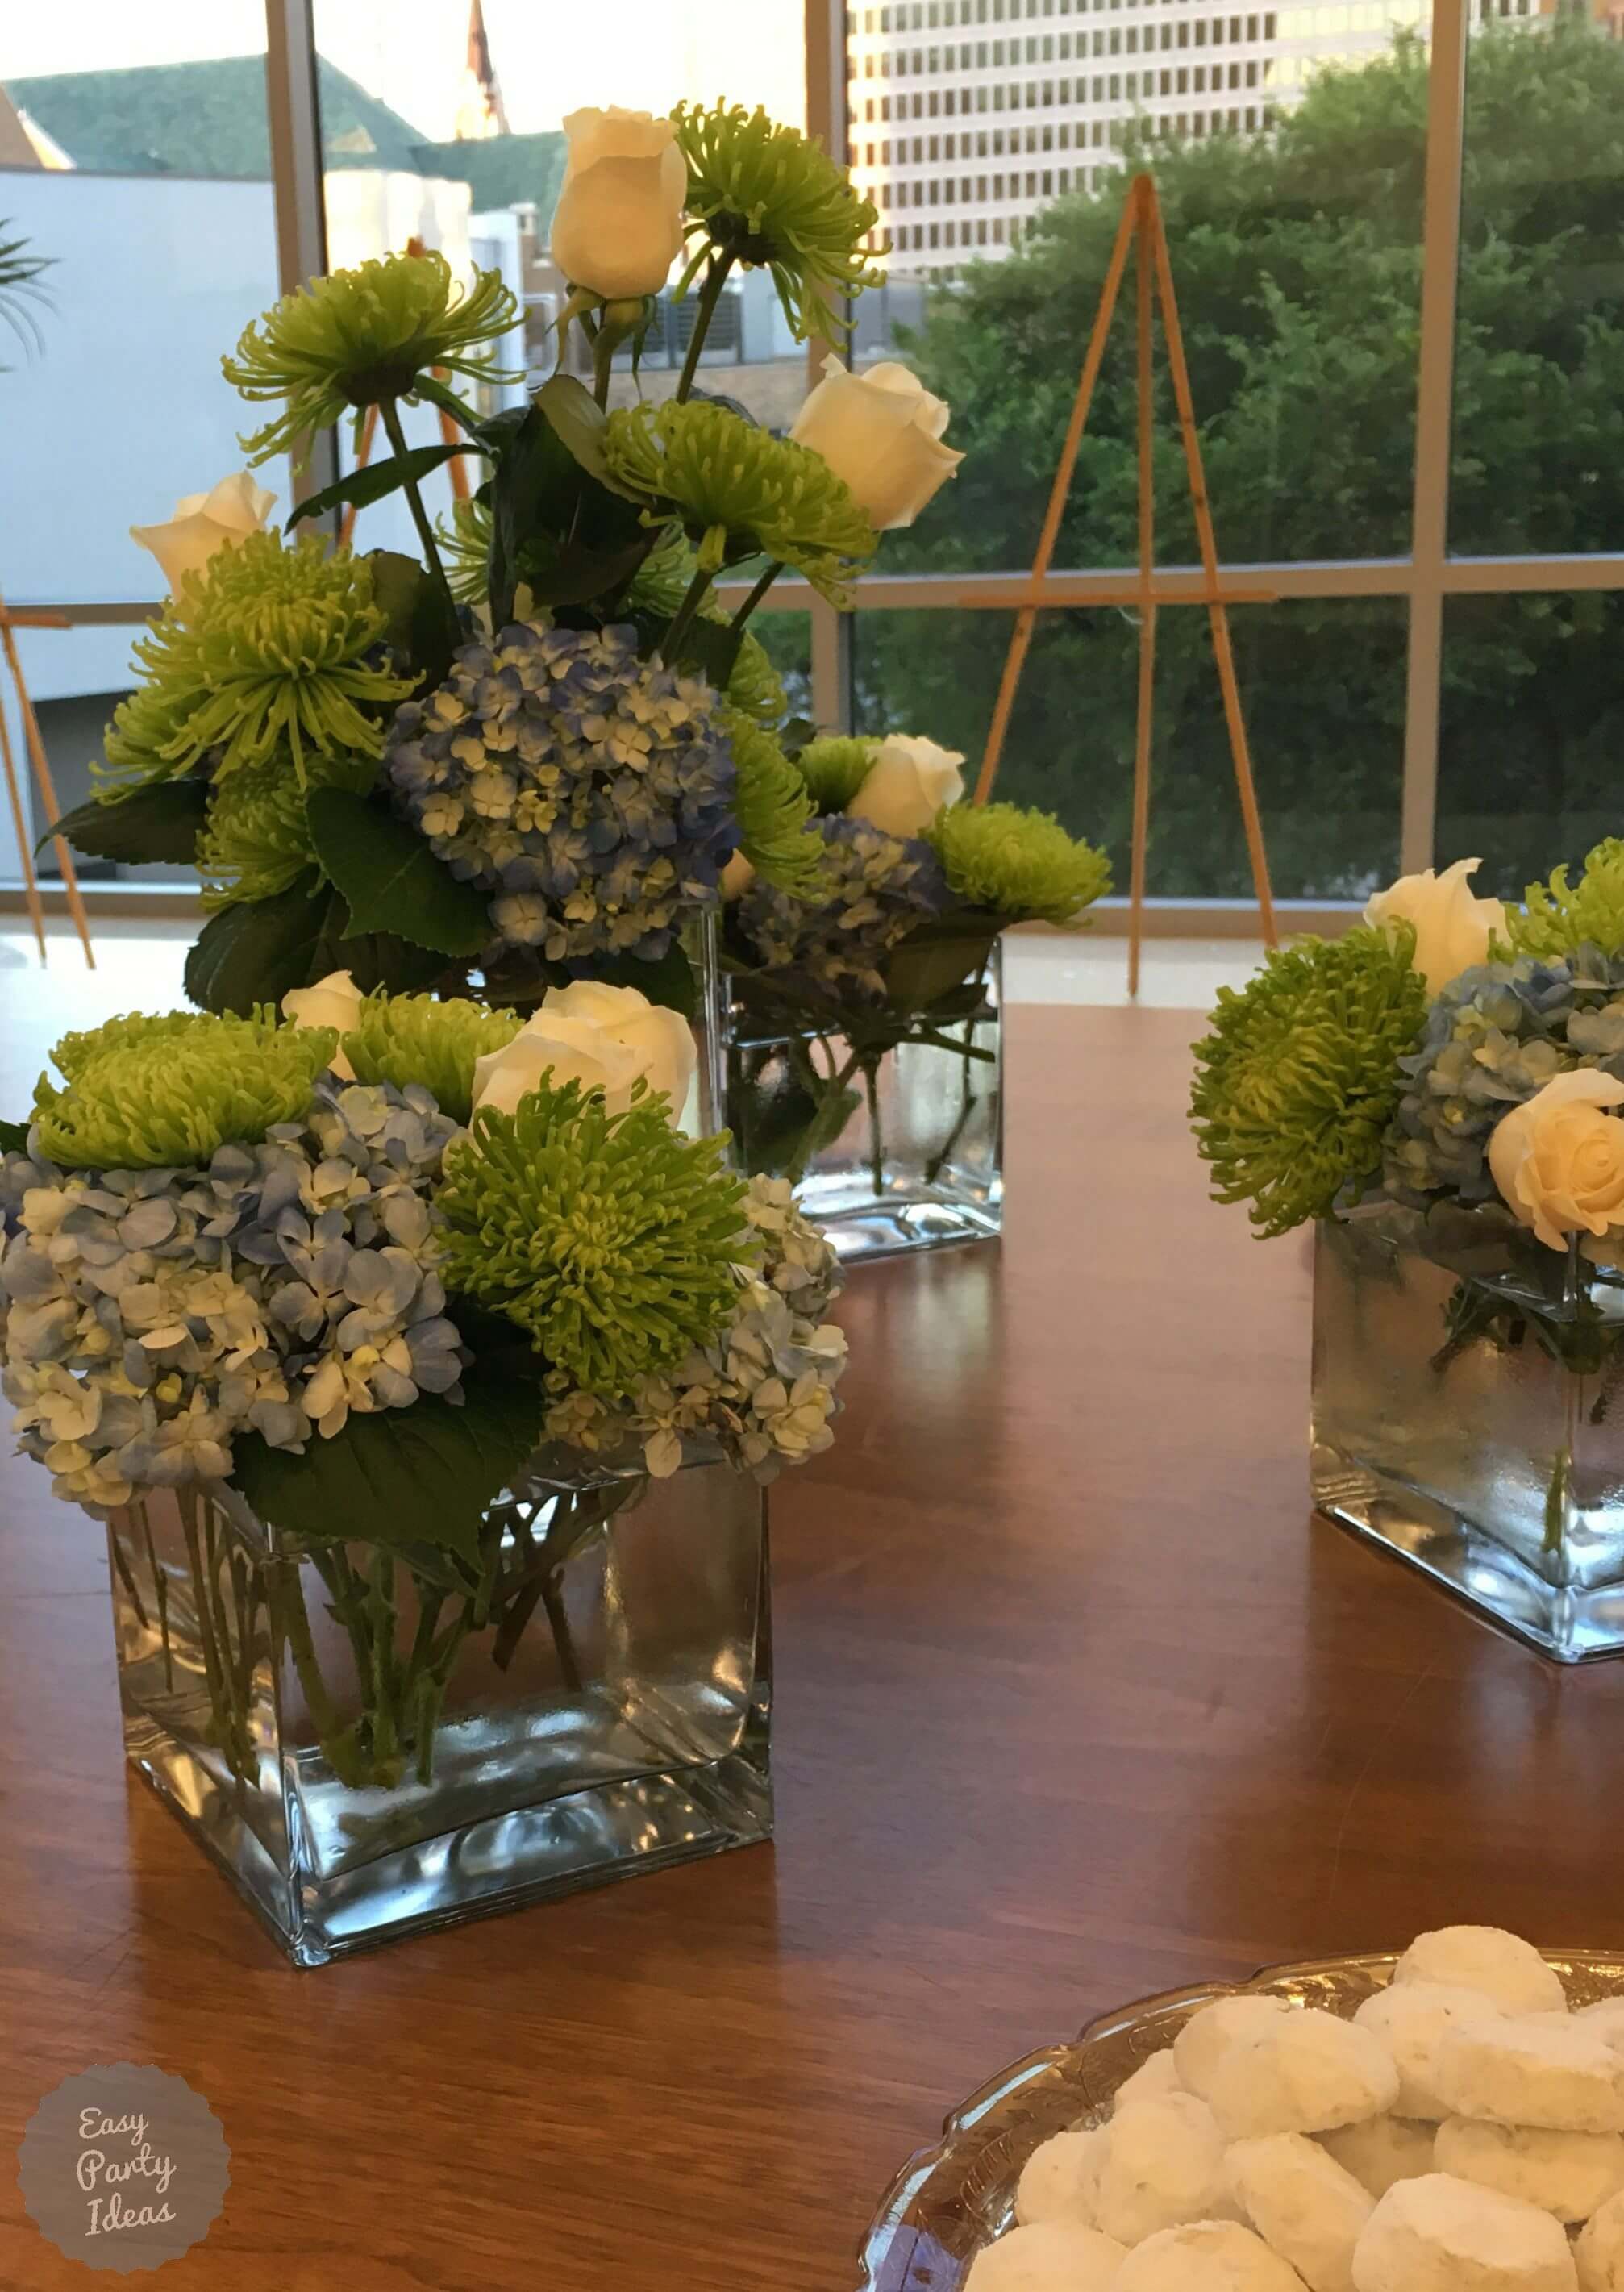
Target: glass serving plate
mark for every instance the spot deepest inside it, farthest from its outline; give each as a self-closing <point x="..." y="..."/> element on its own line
<point x="952" y="2200"/>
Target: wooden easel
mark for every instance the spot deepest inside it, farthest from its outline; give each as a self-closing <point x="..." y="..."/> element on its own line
<point x="29" y="617"/>
<point x="1141" y="230"/>
<point x="450" y="435"/>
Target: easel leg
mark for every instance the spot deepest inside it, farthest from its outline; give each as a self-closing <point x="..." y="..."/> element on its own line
<point x="1216" y="613"/>
<point x="30" y="889"/>
<point x="1021" y="637"/>
<point x="47" y="788"/>
<point x="1145" y="719"/>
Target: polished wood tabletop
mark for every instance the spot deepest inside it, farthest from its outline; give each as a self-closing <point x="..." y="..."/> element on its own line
<point x="1075" y="1701"/>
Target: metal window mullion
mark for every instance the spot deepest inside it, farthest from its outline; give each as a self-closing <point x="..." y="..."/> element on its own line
<point x="826" y="119"/>
<point x="294" y="109"/>
<point x="1434" y="422"/>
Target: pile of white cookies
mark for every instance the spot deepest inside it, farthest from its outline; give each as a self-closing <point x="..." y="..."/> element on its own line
<point x="1463" y="2133"/>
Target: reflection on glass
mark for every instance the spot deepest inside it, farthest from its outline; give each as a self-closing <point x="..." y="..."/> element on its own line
<point x="1532" y="732"/>
<point x="1539" y="346"/>
<point x="998" y="167"/>
<point x="1322" y="685"/>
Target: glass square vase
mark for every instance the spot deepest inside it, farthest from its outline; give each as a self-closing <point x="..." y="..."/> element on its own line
<point x="1469" y="1418"/>
<point x="891" y="1152"/>
<point x="371" y="1743"/>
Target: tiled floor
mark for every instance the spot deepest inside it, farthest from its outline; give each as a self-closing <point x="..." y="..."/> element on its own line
<point x="138" y="967"/>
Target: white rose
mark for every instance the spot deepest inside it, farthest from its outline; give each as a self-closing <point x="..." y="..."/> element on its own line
<point x="204" y="523"/>
<point x="335" y="1001"/>
<point x="1452" y="926"/>
<point x="1558" y="1160"/>
<point x="881" y="432"/>
<point x="618" y="228"/>
<point x="907" y="783"/>
<point x="603" y="1037"/>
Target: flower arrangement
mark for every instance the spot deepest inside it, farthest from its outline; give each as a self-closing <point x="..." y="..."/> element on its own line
<point x="527" y="755"/>
<point x="356" y="1266"/>
<point x="1443" y="1088"/>
<point x="892" y="946"/>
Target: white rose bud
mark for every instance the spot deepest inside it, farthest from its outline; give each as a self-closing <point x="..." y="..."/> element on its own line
<point x="1452" y="926"/>
<point x="909" y="781"/>
<point x="603" y="1037"/>
<point x="335" y="1001"/>
<point x="618" y="228"/>
<point x="204" y="523"/>
<point x="1558" y="1160"/>
<point x="880" y="431"/>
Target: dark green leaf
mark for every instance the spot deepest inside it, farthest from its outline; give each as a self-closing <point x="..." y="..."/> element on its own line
<point x="437" y="392"/>
<point x="160" y="821"/>
<point x="519" y="979"/>
<point x="795" y="733"/>
<point x="577" y="421"/>
<point x="400" y="1477"/>
<point x="932" y="961"/>
<point x="13" y="1137"/>
<point x="572" y="575"/>
<point x="391" y="880"/>
<point x="711" y="647"/>
<point x="253" y="952"/>
<point x="423" y="619"/>
<point x="373" y="482"/>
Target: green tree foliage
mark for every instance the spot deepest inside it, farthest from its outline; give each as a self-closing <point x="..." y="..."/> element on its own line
<point x="1297" y="262"/>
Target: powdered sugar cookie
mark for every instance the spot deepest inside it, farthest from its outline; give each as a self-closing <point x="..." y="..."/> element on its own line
<point x="1307" y="2073"/>
<point x="1303" y="2204"/>
<point x="1502" y="1965"/>
<point x="1438" y="2234"/>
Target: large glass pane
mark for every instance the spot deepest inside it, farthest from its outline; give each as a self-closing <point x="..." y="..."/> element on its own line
<point x="145" y="184"/>
<point x="1288" y="149"/>
<point x="1538" y="462"/>
<point x="1532" y="733"/>
<point x="430" y="134"/>
<point x="1322" y="685"/>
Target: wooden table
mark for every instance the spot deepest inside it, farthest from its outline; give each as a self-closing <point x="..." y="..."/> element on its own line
<point x="1074" y="1703"/>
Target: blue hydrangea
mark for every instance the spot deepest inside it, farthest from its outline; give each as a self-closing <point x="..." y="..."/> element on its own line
<point x="1494" y="1036"/>
<point x="147" y="1317"/>
<point x="876" y="889"/>
<point x="589" y="791"/>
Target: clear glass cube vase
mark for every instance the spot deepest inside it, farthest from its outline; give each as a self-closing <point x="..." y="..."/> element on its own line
<point x="895" y="1142"/>
<point x="1468" y="1416"/>
<point x="371" y="1743"/>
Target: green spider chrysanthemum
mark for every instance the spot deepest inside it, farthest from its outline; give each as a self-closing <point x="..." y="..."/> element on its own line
<point x="1300" y="1077"/>
<point x="266" y="652"/>
<point x="407" y="1038"/>
<point x="256" y="838"/>
<point x="1559" y="918"/>
<point x="762" y="194"/>
<point x="740" y="491"/>
<point x="465" y="551"/>
<point x="773" y="810"/>
<point x="835" y="768"/>
<point x="355" y="338"/>
<point x="659" y="586"/>
<point x="160" y="1093"/>
<point x="611" y="1238"/>
<point x="136" y="743"/>
<point x="1022" y="863"/>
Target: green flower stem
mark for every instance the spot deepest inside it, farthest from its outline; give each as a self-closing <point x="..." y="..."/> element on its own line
<point x="684" y="617"/>
<point x="877" y="1144"/>
<point x="214" y="1634"/>
<point x="604" y="343"/>
<point x="757" y="593"/>
<point x="122" y="1565"/>
<point x="160" y="1585"/>
<point x="1557" y="1501"/>
<point x="338" y="1744"/>
<point x="966" y="1107"/>
<point x="830" y="1093"/>
<point x="380" y="1619"/>
<point x="389" y="411"/>
<point x="704" y="310"/>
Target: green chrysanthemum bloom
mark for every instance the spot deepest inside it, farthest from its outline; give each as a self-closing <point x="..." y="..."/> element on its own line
<point x="611" y="1237"/>
<point x="465" y="551"/>
<point x="835" y="768"/>
<point x="256" y="838"/>
<point x="768" y="195"/>
<point x="153" y="1094"/>
<point x="266" y="653"/>
<point x="1021" y="864"/>
<point x="740" y="491"/>
<point x="1300" y="1076"/>
<point x="136" y="744"/>
<point x="774" y="811"/>
<point x="1557" y="919"/>
<point x="659" y="586"/>
<point x="357" y="338"/>
<point x="407" y="1038"/>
